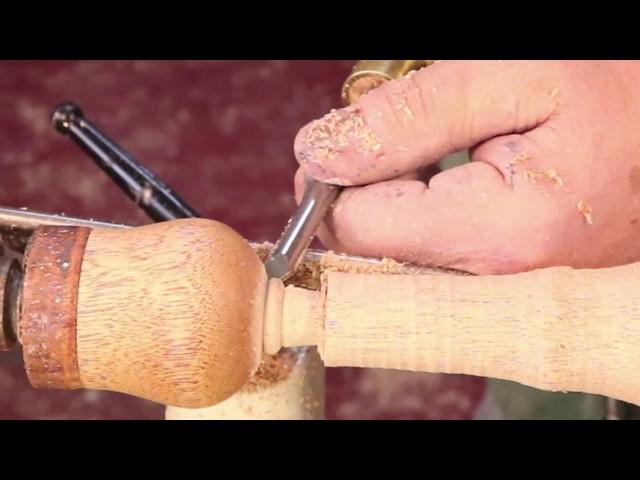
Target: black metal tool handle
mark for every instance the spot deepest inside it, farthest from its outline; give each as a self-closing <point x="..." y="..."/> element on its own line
<point x="150" y="194"/>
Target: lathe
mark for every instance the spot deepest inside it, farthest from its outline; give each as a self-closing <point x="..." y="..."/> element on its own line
<point x="182" y="312"/>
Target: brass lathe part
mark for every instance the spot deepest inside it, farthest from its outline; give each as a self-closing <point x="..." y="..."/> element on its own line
<point x="369" y="74"/>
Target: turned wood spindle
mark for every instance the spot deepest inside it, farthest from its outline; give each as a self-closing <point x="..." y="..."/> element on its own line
<point x="181" y="312"/>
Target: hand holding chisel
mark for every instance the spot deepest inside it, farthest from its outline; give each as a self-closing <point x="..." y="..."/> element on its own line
<point x="319" y="196"/>
<point x="553" y="179"/>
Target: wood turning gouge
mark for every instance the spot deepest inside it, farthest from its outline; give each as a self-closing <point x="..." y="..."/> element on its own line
<point x="152" y="195"/>
<point x="318" y="197"/>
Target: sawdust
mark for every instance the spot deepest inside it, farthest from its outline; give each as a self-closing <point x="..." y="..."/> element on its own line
<point x="273" y="369"/>
<point x="309" y="273"/>
<point x="552" y="176"/>
<point x="402" y="105"/>
<point x="585" y="211"/>
<point x="340" y="129"/>
<point x="519" y="159"/>
<point x="548" y="176"/>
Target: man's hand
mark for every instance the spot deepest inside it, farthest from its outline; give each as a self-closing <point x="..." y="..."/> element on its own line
<point x="554" y="177"/>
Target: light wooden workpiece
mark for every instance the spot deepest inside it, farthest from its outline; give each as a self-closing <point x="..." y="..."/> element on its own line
<point x="556" y="329"/>
<point x="178" y="313"/>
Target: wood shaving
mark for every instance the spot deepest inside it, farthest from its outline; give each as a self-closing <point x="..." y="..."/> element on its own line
<point x="273" y="369"/>
<point x="585" y="211"/>
<point x="553" y="177"/>
<point x="519" y="159"/>
<point x="548" y="176"/>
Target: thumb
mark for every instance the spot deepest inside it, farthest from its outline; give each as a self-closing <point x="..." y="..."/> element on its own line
<point x="419" y="119"/>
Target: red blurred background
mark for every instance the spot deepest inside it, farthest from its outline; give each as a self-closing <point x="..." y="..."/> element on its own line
<point x="221" y="134"/>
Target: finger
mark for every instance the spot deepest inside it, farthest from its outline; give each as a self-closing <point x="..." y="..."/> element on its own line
<point x="416" y="120"/>
<point x="467" y="219"/>
<point x="324" y="233"/>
